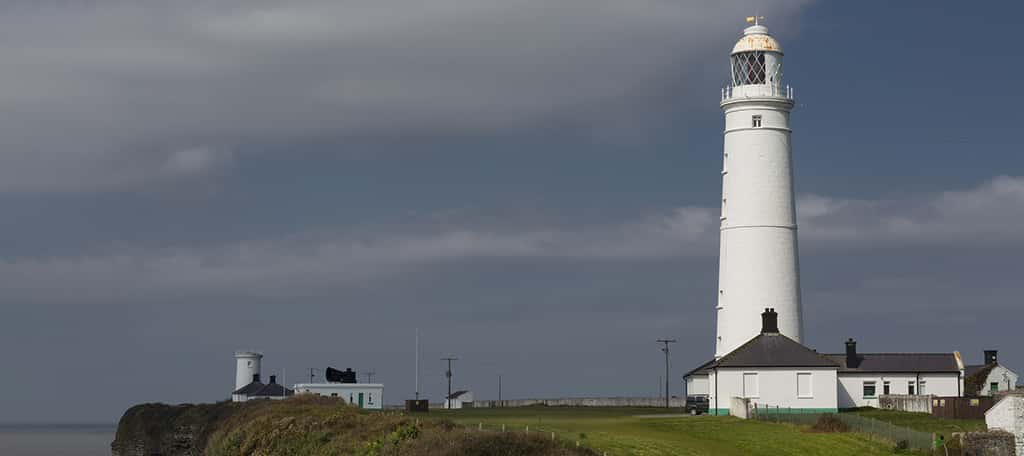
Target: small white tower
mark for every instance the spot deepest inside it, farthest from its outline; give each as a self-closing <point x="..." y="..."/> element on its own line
<point x="758" y="266"/>
<point x="247" y="364"/>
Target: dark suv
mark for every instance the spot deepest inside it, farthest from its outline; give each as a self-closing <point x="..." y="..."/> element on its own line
<point x="696" y="405"/>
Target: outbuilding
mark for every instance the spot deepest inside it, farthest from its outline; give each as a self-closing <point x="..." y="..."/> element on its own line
<point x="363" y="395"/>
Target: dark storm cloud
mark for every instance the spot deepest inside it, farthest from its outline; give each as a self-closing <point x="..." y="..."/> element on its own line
<point x="115" y="94"/>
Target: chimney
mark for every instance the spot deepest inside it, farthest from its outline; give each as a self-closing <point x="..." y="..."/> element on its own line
<point x="273" y="379"/>
<point x="990" y="357"/>
<point x="851" y="353"/>
<point x="769" y="322"/>
<point x="256" y="378"/>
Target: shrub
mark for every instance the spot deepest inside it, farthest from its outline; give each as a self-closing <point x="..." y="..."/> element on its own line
<point x="830" y="423"/>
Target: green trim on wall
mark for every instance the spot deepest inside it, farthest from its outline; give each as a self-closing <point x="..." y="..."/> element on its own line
<point x="780" y="411"/>
<point x="786" y="411"/>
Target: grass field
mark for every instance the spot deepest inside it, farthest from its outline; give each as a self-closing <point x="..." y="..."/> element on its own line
<point x="624" y="431"/>
<point x="922" y="421"/>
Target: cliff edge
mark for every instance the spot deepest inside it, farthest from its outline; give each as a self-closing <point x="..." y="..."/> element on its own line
<point x="309" y="425"/>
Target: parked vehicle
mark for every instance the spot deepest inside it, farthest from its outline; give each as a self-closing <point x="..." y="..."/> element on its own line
<point x="698" y="404"/>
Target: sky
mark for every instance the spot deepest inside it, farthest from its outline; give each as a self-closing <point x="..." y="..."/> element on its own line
<point x="532" y="184"/>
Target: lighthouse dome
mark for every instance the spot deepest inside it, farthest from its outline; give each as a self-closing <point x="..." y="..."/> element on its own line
<point x="756" y="38"/>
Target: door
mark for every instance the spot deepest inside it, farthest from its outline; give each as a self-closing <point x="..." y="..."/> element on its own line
<point x="360" y="400"/>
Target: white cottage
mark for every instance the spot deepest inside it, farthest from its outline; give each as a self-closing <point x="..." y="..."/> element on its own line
<point x="989" y="378"/>
<point x="865" y="376"/>
<point x="772" y="370"/>
<point x="362" y="395"/>
<point x="775" y="371"/>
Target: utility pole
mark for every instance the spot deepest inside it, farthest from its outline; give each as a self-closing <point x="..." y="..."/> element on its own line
<point x="448" y="373"/>
<point x="499" y="390"/>
<point x="665" y="349"/>
<point x="312" y="373"/>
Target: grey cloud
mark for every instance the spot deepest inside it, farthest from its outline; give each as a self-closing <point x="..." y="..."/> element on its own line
<point x="102" y="95"/>
<point x="283" y="267"/>
<point x="988" y="214"/>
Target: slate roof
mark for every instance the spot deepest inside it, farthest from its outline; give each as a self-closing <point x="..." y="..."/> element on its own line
<point x="250" y="388"/>
<point x="971" y="370"/>
<point x="773" y="350"/>
<point x="975" y="376"/>
<point x="898" y="362"/>
<point x="703" y="369"/>
<point x="272" y="390"/>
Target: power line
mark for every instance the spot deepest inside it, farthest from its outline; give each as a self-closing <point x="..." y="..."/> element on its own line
<point x="369" y="376"/>
<point x="665" y="349"/>
<point x="448" y="373"/>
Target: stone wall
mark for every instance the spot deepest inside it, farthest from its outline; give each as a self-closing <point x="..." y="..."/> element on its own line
<point x="585" y="402"/>
<point x="992" y="443"/>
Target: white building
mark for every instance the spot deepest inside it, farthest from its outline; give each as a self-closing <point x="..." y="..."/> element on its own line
<point x="989" y="378"/>
<point x="1008" y="415"/>
<point x="363" y="395"/>
<point x="863" y="377"/>
<point x="758" y="252"/>
<point x="761" y="359"/>
<point x="459" y="399"/>
<point x="771" y="370"/>
<point x="247" y="365"/>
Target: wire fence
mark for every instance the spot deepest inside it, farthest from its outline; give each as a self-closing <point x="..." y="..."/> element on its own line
<point x="900" y="436"/>
<point x="542" y="432"/>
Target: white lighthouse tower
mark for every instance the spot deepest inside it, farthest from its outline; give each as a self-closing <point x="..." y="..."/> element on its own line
<point x="758" y="266"/>
<point x="247" y="364"/>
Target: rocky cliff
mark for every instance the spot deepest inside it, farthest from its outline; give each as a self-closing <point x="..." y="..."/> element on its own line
<point x="310" y="425"/>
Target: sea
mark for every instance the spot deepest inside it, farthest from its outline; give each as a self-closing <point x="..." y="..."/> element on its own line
<point x="56" y="439"/>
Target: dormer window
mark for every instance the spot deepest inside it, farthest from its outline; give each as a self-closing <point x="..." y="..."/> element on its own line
<point x="755" y="121"/>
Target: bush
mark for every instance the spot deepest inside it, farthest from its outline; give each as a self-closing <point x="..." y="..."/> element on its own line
<point x="901" y="446"/>
<point x="830" y="423"/>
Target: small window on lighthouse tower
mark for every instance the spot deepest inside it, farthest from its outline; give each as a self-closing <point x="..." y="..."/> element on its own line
<point x="756" y="121"/>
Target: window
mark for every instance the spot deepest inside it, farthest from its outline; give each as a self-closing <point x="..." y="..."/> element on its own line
<point x="334" y="394"/>
<point x="750" y="385"/>
<point x="869" y="390"/>
<point x="803" y="384"/>
<point x="910" y="387"/>
<point x="921" y="388"/>
<point x="756" y="121"/>
<point x="371" y="399"/>
<point x="748" y="68"/>
<point x="885" y="388"/>
<point x="993" y="387"/>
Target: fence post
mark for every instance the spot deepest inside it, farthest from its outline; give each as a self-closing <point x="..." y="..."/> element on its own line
<point x="552" y="436"/>
<point x="502" y="427"/>
<point x="527" y="428"/>
<point x="480" y="426"/>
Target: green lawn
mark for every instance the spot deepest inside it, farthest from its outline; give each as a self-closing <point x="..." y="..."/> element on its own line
<point x="922" y="421"/>
<point x="621" y="431"/>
